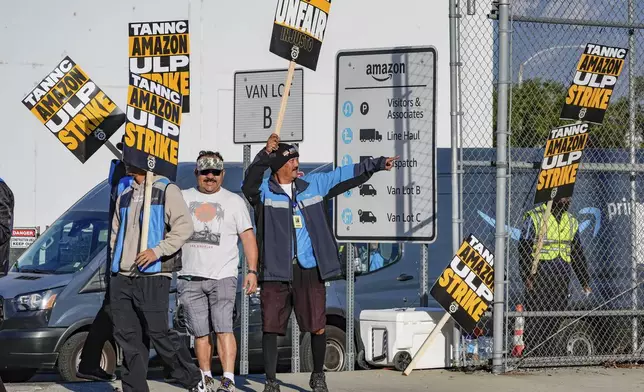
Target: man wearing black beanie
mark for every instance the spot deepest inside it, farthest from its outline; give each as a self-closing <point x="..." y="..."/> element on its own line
<point x="297" y="250"/>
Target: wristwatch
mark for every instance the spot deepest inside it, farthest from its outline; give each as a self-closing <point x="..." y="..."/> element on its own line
<point x="252" y="272"/>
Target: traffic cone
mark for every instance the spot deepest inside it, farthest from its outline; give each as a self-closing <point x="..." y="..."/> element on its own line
<point x="519" y="345"/>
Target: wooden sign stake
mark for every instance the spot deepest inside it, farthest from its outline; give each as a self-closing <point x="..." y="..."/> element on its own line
<point x="426" y="344"/>
<point x="287" y="90"/>
<point x="146" y="211"/>
<point x="542" y="232"/>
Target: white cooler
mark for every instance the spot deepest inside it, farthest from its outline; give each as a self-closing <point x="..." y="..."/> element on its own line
<point x="392" y="337"/>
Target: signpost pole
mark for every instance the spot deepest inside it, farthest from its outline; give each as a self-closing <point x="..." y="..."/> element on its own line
<point x="350" y="355"/>
<point x="295" y="328"/>
<point x="245" y="306"/>
<point x="287" y="90"/>
<point x="146" y="210"/>
<point x="424" y="276"/>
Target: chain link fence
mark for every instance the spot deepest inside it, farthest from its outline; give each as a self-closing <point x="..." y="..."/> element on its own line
<point x="564" y="323"/>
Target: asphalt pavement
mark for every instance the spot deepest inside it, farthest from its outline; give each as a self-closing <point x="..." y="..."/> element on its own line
<point x="546" y="380"/>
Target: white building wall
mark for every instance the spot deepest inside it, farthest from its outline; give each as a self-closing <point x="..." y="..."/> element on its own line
<point x="226" y="36"/>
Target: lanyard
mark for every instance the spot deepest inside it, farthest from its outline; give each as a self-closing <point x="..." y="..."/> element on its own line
<point x="294" y="205"/>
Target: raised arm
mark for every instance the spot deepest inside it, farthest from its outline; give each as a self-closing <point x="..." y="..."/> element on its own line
<point x="254" y="176"/>
<point x="347" y="177"/>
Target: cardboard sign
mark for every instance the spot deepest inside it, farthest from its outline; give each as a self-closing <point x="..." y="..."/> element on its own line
<point x="465" y="289"/>
<point x="298" y="30"/>
<point x="74" y="109"/>
<point x="560" y="164"/>
<point x="160" y="51"/>
<point x="153" y="127"/>
<point x="593" y="84"/>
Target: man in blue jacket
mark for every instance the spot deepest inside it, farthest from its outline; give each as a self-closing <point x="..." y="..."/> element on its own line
<point x="296" y="245"/>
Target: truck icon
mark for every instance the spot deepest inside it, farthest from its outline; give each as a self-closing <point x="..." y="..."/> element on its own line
<point x="370" y="134"/>
<point x="367" y="190"/>
<point x="367" y="217"/>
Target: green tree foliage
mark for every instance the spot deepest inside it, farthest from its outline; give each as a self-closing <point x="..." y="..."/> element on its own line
<point x="536" y="106"/>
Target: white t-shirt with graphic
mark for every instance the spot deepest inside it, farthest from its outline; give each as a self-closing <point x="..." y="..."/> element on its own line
<point x="212" y="250"/>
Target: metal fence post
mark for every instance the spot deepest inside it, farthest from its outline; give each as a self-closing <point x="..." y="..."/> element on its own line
<point x="454" y="113"/>
<point x="245" y="307"/>
<point x="501" y="179"/>
<point x="632" y="140"/>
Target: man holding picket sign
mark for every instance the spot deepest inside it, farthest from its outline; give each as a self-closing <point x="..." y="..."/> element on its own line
<point x="297" y="249"/>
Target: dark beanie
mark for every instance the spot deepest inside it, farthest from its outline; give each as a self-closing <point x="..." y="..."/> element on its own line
<point x="283" y="154"/>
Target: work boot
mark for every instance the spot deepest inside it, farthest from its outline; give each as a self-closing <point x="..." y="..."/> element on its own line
<point x="97" y="374"/>
<point x="318" y="382"/>
<point x="227" y="385"/>
<point x="271" y="386"/>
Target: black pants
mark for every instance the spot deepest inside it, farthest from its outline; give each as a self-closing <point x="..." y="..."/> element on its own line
<point x="100" y="332"/>
<point x="549" y="293"/>
<point x="139" y="308"/>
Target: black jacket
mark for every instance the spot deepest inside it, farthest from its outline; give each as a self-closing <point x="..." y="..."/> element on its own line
<point x="6" y="225"/>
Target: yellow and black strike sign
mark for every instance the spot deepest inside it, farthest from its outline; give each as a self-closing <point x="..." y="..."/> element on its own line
<point x="465" y="289"/>
<point x="593" y="84"/>
<point x="560" y="163"/>
<point x="160" y="51"/>
<point x="153" y="127"/>
<point x="298" y="30"/>
<point x="74" y="109"/>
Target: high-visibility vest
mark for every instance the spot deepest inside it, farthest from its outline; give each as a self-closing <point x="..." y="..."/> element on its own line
<point x="559" y="235"/>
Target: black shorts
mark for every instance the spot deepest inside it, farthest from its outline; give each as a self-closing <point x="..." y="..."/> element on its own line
<point x="307" y="294"/>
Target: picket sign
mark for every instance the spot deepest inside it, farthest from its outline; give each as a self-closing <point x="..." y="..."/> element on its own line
<point x="428" y="341"/>
<point x="146" y="211"/>
<point x="287" y="90"/>
<point x="542" y="231"/>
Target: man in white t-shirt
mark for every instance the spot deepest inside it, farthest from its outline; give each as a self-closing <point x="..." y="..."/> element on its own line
<point x="207" y="282"/>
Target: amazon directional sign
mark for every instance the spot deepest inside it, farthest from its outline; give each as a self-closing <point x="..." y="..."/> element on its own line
<point x="258" y="96"/>
<point x="386" y="106"/>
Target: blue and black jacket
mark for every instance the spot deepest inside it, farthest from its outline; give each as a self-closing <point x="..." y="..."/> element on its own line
<point x="274" y="212"/>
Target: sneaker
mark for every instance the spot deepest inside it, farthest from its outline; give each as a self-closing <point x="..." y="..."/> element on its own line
<point x="227" y="385"/>
<point x="271" y="386"/>
<point x="210" y="384"/>
<point x="198" y="388"/>
<point x="318" y="382"/>
<point x="97" y="374"/>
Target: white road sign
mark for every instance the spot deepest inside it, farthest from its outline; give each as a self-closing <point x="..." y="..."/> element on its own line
<point x="386" y="106"/>
<point x="258" y="97"/>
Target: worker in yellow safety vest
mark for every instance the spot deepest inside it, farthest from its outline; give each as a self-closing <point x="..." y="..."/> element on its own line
<point x="560" y="256"/>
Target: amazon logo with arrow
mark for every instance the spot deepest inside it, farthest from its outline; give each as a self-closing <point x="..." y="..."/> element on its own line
<point x="385" y="71"/>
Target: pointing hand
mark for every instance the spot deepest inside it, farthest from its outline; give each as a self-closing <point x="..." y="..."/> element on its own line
<point x="389" y="164"/>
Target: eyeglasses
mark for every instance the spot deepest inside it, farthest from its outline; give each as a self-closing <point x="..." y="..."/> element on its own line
<point x="214" y="172"/>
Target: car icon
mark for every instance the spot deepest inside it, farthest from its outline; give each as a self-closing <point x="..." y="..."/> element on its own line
<point x="367" y="217"/>
<point x="367" y="190"/>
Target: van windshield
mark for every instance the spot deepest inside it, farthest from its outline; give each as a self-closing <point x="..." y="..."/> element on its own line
<point x="68" y="245"/>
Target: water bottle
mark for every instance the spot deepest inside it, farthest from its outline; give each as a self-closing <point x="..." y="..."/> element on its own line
<point x="471" y="352"/>
<point x="485" y="348"/>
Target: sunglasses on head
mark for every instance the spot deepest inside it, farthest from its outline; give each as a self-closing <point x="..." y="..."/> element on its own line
<point x="214" y="172"/>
